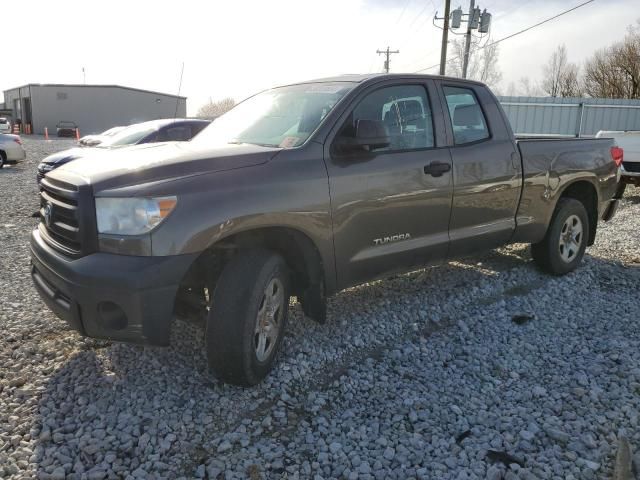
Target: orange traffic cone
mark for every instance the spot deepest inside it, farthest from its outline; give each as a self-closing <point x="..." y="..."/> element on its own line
<point x="46" y="133"/>
<point x="78" y="134"/>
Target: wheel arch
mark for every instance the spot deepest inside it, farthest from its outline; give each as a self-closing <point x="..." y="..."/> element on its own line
<point x="309" y="273"/>
<point x="586" y="193"/>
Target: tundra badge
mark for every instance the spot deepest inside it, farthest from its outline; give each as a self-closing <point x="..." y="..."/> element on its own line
<point x="392" y="238"/>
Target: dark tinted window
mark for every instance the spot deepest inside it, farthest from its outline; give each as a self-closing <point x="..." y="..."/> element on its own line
<point x="197" y="127"/>
<point x="405" y="112"/>
<point x="177" y="133"/>
<point x="467" y="119"/>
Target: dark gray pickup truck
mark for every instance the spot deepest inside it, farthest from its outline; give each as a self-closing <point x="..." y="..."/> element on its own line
<point x="305" y="190"/>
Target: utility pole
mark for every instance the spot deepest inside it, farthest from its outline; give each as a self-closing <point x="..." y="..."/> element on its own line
<point x="476" y="20"/>
<point x="387" y="53"/>
<point x="445" y="37"/>
<point x="467" y="40"/>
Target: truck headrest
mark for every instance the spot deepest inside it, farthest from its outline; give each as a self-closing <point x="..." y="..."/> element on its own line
<point x="467" y="115"/>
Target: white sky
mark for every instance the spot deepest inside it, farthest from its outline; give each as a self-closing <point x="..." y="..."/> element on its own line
<point x="240" y="47"/>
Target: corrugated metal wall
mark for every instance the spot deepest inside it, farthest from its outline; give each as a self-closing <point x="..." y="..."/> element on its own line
<point x="570" y="116"/>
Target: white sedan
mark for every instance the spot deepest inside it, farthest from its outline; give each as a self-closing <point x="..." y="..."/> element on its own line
<point x="93" y="140"/>
<point x="11" y="149"/>
<point x="5" y="125"/>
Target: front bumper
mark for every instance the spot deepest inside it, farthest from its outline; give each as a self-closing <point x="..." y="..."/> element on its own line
<point x="116" y="297"/>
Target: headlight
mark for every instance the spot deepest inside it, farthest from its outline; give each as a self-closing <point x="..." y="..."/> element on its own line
<point x="132" y="216"/>
<point x="45" y="167"/>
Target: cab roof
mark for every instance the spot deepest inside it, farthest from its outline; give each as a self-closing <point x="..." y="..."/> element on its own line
<point x="361" y="78"/>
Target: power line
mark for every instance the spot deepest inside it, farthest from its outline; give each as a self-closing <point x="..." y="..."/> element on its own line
<point x="514" y="34"/>
<point x="411" y="32"/>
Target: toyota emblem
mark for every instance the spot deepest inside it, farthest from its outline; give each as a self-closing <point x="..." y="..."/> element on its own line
<point x="48" y="211"/>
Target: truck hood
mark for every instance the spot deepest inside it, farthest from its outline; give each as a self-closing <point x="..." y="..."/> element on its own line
<point x="60" y="158"/>
<point x="158" y="162"/>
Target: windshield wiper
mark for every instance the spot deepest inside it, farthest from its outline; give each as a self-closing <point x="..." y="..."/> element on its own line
<point x="235" y="142"/>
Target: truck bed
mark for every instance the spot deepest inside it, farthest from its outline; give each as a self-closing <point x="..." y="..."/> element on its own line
<point x="548" y="165"/>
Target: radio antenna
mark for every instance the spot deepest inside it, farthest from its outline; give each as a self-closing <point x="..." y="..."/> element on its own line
<point x="179" y="88"/>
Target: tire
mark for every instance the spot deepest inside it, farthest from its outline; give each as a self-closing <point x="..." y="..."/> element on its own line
<point x="562" y="248"/>
<point x="242" y="336"/>
<point x="3" y="158"/>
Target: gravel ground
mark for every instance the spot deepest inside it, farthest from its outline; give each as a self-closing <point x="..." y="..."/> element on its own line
<point x="481" y="368"/>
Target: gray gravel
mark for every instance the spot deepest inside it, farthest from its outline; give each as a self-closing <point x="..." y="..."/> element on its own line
<point x="424" y="375"/>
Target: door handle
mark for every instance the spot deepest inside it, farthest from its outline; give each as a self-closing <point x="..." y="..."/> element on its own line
<point x="437" y="169"/>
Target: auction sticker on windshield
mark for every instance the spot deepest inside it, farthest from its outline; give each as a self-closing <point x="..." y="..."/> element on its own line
<point x="289" y="142"/>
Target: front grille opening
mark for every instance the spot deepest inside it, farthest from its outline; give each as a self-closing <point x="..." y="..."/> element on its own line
<point x="59" y="219"/>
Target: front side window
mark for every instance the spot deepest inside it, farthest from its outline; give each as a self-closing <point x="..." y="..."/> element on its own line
<point x="180" y="133"/>
<point x="405" y="112"/>
<point x="467" y="119"/>
<point x="282" y="117"/>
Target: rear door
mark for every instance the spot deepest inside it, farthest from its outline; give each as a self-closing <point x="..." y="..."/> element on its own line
<point x="487" y="172"/>
<point x="391" y="206"/>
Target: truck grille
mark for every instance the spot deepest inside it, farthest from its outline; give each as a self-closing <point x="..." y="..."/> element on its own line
<point x="63" y="223"/>
<point x="632" y="166"/>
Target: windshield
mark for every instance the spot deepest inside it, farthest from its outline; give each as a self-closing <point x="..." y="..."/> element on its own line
<point x="282" y="117"/>
<point x="112" y="131"/>
<point x="129" y="136"/>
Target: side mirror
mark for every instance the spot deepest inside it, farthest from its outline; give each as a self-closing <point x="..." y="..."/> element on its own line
<point x="370" y="135"/>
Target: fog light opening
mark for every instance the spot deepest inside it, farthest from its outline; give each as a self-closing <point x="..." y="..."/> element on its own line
<point x="112" y="316"/>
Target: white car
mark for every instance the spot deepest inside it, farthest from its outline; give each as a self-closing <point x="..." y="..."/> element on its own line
<point x="629" y="141"/>
<point x="93" y="140"/>
<point x="11" y="149"/>
<point x="5" y="125"/>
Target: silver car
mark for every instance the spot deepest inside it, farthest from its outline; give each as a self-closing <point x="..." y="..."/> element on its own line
<point x="5" y="125"/>
<point x="11" y="149"/>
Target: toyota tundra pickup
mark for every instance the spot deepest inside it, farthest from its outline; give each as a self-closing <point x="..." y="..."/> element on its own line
<point x="304" y="190"/>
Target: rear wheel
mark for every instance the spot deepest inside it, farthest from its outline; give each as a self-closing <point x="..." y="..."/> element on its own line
<point x="3" y="158"/>
<point x="248" y="316"/>
<point x="563" y="246"/>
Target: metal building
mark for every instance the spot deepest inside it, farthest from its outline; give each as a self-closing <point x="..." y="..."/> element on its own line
<point x="93" y="108"/>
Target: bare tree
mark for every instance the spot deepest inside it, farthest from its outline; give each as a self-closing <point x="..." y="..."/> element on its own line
<point x="614" y="72"/>
<point x="528" y="88"/>
<point x="213" y="109"/>
<point x="570" y="81"/>
<point x="483" y="63"/>
<point x="561" y="76"/>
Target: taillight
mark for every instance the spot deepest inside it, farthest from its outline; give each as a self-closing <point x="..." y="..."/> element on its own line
<point x="18" y="141"/>
<point x="616" y="155"/>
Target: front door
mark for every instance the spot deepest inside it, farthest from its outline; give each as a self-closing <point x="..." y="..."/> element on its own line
<point x="390" y="206"/>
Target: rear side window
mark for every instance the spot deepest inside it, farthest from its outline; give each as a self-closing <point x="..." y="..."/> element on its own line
<point x="405" y="112"/>
<point x="467" y="119"/>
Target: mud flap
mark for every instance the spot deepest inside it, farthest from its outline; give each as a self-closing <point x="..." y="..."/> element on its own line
<point x="314" y="303"/>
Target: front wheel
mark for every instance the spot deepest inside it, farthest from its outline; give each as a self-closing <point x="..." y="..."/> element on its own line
<point x="3" y="159"/>
<point x="562" y="248"/>
<point x="248" y="316"/>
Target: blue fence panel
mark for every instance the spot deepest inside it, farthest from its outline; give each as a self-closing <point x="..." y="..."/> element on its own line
<point x="570" y="116"/>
